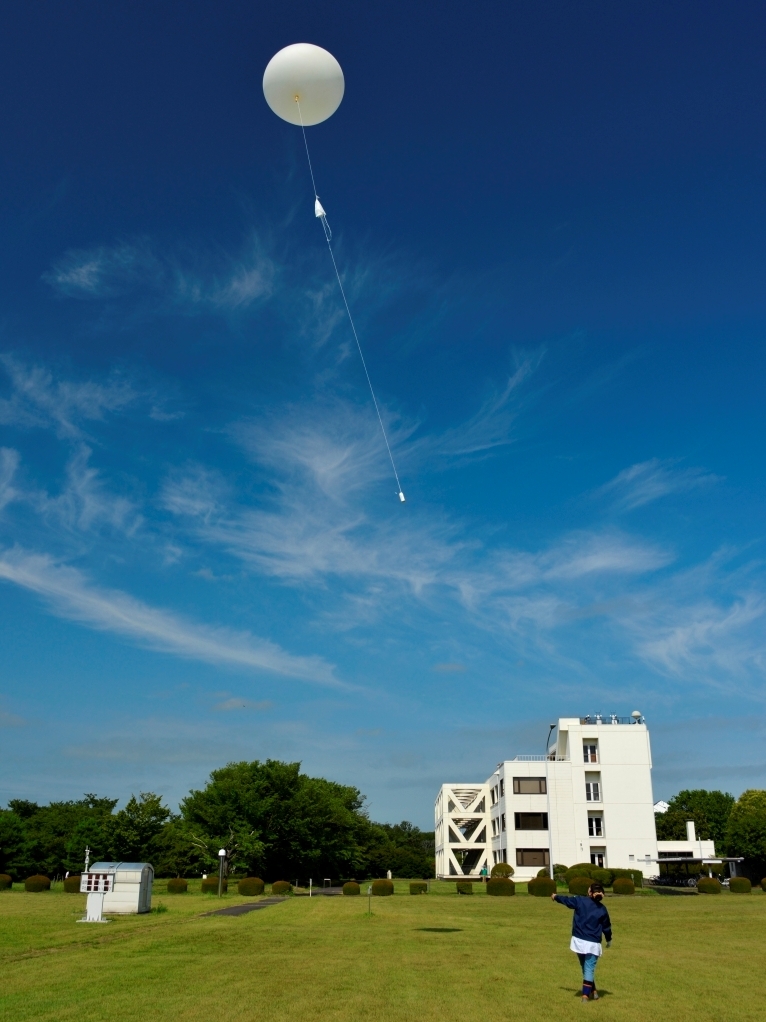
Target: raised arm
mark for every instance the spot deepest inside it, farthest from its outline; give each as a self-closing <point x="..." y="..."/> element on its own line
<point x="563" y="900"/>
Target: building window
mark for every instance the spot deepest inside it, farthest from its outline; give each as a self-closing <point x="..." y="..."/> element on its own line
<point x="502" y="787"/>
<point x="492" y="796"/>
<point x="531" y="821"/>
<point x="529" y="786"/>
<point x="597" y="858"/>
<point x="502" y="822"/>
<point x="592" y="791"/>
<point x="502" y="855"/>
<point x="532" y="857"/>
<point x="595" y="826"/>
<point x="590" y="753"/>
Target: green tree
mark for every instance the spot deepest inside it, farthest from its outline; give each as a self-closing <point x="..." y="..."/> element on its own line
<point x="136" y="827"/>
<point x="11" y="842"/>
<point x="709" y="810"/>
<point x="175" y="852"/>
<point x="48" y="831"/>
<point x="276" y="821"/>
<point x="746" y="831"/>
<point x="401" y="847"/>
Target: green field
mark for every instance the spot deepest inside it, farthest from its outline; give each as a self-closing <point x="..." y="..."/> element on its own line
<point x="438" y="956"/>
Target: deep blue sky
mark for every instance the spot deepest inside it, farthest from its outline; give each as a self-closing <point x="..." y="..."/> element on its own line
<point x="551" y="219"/>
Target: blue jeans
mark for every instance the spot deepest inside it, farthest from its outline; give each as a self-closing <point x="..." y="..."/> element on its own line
<point x="588" y="963"/>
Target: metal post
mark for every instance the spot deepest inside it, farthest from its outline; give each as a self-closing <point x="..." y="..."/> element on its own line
<point x="87" y="859"/>
<point x="548" y="796"/>
<point x="369" y="900"/>
<point x="309" y="887"/>
<point x="221" y="860"/>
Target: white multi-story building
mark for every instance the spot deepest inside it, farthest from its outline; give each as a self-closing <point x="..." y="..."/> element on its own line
<point x="589" y="800"/>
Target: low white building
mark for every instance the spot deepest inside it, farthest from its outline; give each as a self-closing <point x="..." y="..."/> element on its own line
<point x="588" y="800"/>
<point x="130" y="887"/>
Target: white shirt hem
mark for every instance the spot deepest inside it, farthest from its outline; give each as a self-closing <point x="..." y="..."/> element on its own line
<point x="585" y="947"/>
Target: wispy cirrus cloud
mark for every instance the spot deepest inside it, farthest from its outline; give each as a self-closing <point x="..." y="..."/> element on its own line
<point x="85" y="502"/>
<point x="70" y="594"/>
<point x="40" y="399"/>
<point x="234" y="703"/>
<point x="651" y="480"/>
<point x="136" y="268"/>
<point x="9" y="462"/>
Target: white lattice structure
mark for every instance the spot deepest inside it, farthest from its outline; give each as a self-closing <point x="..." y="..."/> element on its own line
<point x="462" y="830"/>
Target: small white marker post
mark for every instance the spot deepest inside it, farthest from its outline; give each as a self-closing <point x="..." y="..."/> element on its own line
<point x="309" y="887"/>
<point x="369" y="900"/>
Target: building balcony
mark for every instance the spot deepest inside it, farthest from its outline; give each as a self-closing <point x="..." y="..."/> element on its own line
<point x="539" y="759"/>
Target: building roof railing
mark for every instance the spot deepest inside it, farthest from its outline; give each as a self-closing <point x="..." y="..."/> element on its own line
<point x="539" y="759"/>
<point x="610" y="718"/>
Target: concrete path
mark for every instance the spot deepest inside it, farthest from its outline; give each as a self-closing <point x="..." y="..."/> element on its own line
<point x="240" y="910"/>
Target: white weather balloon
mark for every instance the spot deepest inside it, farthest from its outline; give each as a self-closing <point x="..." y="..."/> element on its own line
<point x="308" y="74"/>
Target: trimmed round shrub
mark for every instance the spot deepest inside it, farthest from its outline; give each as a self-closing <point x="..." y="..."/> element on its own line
<point x="635" y="875"/>
<point x="281" y="887"/>
<point x="464" y="887"/>
<point x="603" y="876"/>
<point x="541" y="887"/>
<point x="763" y="884"/>
<point x="72" y="885"/>
<point x="623" y="885"/>
<point x="502" y="869"/>
<point x="740" y="885"/>
<point x="501" y="887"/>
<point x="382" y="888"/>
<point x="579" y="871"/>
<point x="251" y="887"/>
<point x="418" y="887"/>
<point x="177" y="885"/>
<point x="210" y="886"/>
<point x="37" y="883"/>
<point x="579" y="885"/>
<point x="708" y="885"/>
<point x="352" y="888"/>
<point x="6" y="882"/>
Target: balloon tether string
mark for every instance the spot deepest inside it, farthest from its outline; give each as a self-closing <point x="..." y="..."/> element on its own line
<point x="328" y="236"/>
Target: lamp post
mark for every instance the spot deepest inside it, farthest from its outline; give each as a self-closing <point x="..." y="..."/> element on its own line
<point x="548" y="796"/>
<point x="221" y="860"/>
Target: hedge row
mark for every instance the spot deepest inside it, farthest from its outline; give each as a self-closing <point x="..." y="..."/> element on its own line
<point x="603" y="876"/>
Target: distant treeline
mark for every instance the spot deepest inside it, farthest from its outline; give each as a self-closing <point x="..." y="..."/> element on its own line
<point x="737" y="826"/>
<point x="273" y="821"/>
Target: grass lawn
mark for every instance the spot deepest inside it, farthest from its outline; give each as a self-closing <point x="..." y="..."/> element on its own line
<point x="434" y="957"/>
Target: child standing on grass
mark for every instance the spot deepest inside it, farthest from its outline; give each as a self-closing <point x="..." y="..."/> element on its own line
<point x="591" y="919"/>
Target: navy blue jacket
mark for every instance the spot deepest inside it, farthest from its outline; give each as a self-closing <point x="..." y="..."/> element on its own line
<point x="591" y="919"/>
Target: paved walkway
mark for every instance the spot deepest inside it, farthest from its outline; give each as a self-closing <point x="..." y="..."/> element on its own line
<point x="240" y="910"/>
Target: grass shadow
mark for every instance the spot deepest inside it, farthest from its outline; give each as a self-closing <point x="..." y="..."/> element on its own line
<point x="438" y="929"/>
